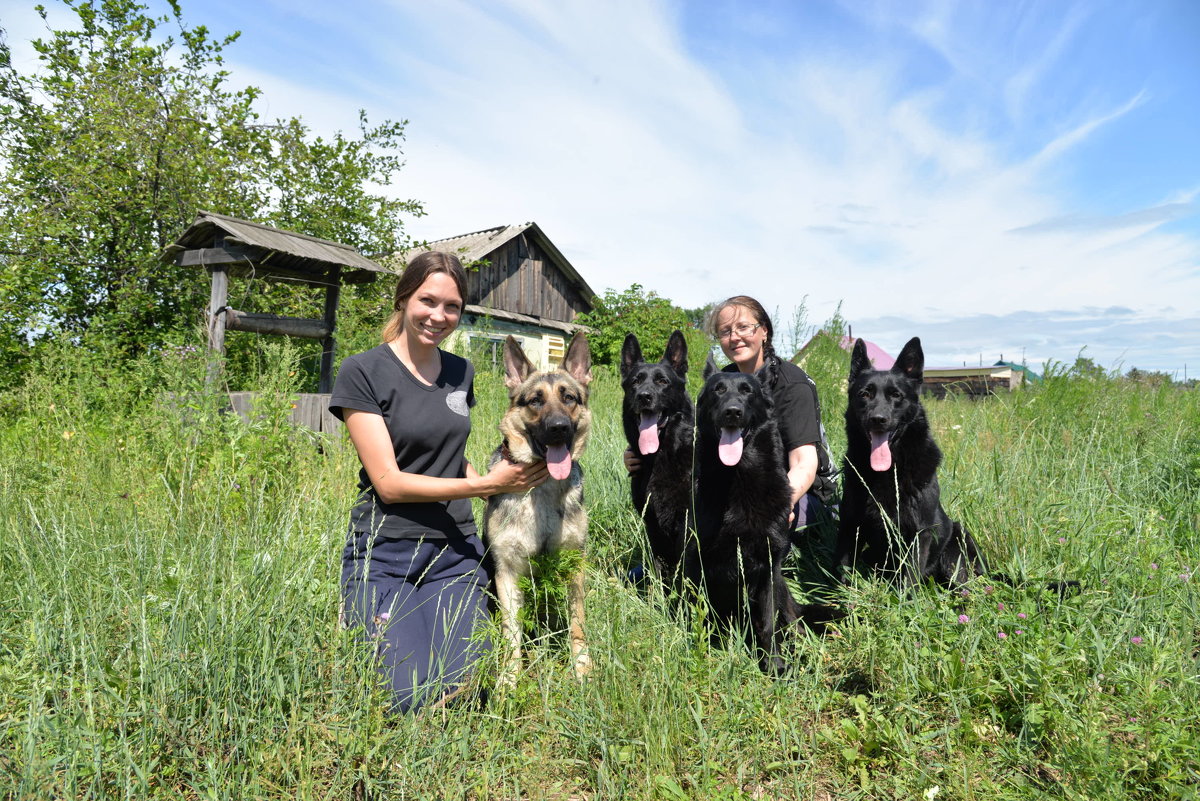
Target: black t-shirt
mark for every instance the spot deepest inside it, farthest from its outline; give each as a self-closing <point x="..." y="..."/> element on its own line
<point x="428" y="425"/>
<point x="797" y="411"/>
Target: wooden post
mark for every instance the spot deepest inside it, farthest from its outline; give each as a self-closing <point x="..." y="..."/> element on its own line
<point x="325" y="382"/>
<point x="216" y="321"/>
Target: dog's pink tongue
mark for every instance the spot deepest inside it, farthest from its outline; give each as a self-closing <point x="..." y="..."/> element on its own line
<point x="729" y="449"/>
<point x="648" y="434"/>
<point x="558" y="461"/>
<point x="881" y="453"/>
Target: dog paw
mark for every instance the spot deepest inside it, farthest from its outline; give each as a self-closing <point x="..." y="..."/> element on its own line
<point x="507" y="680"/>
<point x="583" y="665"/>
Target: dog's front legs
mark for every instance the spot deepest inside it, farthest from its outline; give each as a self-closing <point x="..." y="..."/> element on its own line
<point x="508" y="595"/>
<point x="580" y="659"/>
<point x="762" y="621"/>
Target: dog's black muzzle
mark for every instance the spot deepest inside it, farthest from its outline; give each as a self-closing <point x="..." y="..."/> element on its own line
<point x="556" y="429"/>
<point x="731" y="415"/>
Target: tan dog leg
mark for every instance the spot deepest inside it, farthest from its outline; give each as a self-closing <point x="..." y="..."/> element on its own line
<point x="579" y="654"/>
<point x="509" y="596"/>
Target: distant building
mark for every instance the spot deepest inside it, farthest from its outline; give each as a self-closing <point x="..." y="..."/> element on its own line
<point x="518" y="283"/>
<point x="972" y="381"/>
<point x="1030" y="375"/>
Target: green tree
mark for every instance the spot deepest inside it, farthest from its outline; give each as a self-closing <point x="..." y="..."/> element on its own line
<point x="1086" y="367"/>
<point x="116" y="140"/>
<point x="1153" y="378"/>
<point x="649" y="316"/>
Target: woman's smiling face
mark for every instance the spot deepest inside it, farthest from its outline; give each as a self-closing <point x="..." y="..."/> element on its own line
<point x="741" y="337"/>
<point x="434" y="310"/>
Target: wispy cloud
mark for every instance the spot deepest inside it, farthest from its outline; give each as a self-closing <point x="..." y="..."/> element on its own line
<point x="1142" y="220"/>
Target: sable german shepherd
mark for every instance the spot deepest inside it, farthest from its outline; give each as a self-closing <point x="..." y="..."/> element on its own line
<point x="892" y="520"/>
<point x="547" y="418"/>
<point x="742" y="504"/>
<point x="659" y="420"/>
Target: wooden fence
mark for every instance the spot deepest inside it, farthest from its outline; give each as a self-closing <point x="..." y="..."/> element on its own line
<point x="311" y="410"/>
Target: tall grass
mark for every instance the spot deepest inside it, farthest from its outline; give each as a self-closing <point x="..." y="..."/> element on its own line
<point x="169" y="619"/>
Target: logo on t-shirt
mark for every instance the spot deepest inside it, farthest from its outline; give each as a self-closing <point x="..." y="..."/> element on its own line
<point x="457" y="401"/>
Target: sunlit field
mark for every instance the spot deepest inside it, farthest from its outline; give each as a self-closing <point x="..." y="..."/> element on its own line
<point x="169" y="619"/>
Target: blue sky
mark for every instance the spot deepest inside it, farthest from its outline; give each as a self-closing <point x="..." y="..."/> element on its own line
<point x="998" y="178"/>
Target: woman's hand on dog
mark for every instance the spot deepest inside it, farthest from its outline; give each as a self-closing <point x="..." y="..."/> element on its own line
<point x="506" y="476"/>
<point x="632" y="463"/>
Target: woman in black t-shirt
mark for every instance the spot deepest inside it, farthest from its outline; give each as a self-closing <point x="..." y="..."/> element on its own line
<point x="412" y="568"/>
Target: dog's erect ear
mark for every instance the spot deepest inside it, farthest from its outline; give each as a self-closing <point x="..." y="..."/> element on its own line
<point x="710" y="366"/>
<point x="911" y="361"/>
<point x="578" y="361"/>
<point x="631" y="354"/>
<point x="676" y="354"/>
<point x="517" y="366"/>
<point x="858" y="359"/>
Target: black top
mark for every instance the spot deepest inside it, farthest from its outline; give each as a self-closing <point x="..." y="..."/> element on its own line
<point x="429" y="427"/>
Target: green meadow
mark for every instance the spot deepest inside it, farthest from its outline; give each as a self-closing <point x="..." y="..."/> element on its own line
<point x="169" y="618"/>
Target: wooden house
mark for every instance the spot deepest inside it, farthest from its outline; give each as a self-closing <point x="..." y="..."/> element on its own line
<point x="518" y="283"/>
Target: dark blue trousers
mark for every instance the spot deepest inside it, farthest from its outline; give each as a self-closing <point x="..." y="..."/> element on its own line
<point x="422" y="601"/>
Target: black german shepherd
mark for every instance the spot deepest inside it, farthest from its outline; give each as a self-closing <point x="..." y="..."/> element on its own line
<point x="659" y="421"/>
<point x="892" y="521"/>
<point x="742" y="499"/>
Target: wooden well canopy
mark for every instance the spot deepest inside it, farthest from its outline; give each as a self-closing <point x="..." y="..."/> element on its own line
<point x="228" y="246"/>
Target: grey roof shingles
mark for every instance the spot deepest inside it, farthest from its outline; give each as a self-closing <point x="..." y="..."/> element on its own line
<point x="307" y="248"/>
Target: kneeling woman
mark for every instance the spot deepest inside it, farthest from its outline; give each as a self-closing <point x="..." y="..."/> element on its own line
<point x="412" y="569"/>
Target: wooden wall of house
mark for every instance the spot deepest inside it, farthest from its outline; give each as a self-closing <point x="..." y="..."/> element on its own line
<point x="521" y="278"/>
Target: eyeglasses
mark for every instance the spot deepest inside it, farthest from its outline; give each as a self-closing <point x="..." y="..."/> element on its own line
<point x="741" y="329"/>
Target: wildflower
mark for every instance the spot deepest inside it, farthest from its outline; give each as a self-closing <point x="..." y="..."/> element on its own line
<point x="1020" y="631"/>
<point x="66" y="435"/>
<point x="1186" y="576"/>
<point x="1136" y="640"/>
<point x="1154" y="565"/>
<point x="966" y="593"/>
<point x="1002" y="635"/>
<point x="1000" y="607"/>
<point x="964" y="619"/>
<point x="988" y="590"/>
<point x="1062" y="539"/>
<point x="1021" y="615"/>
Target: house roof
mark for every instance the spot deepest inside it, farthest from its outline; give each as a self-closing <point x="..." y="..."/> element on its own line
<point x="1030" y="374"/>
<point x="878" y="356"/>
<point x="996" y="370"/>
<point x="269" y="247"/>
<point x="527" y="319"/>
<point x="478" y="244"/>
